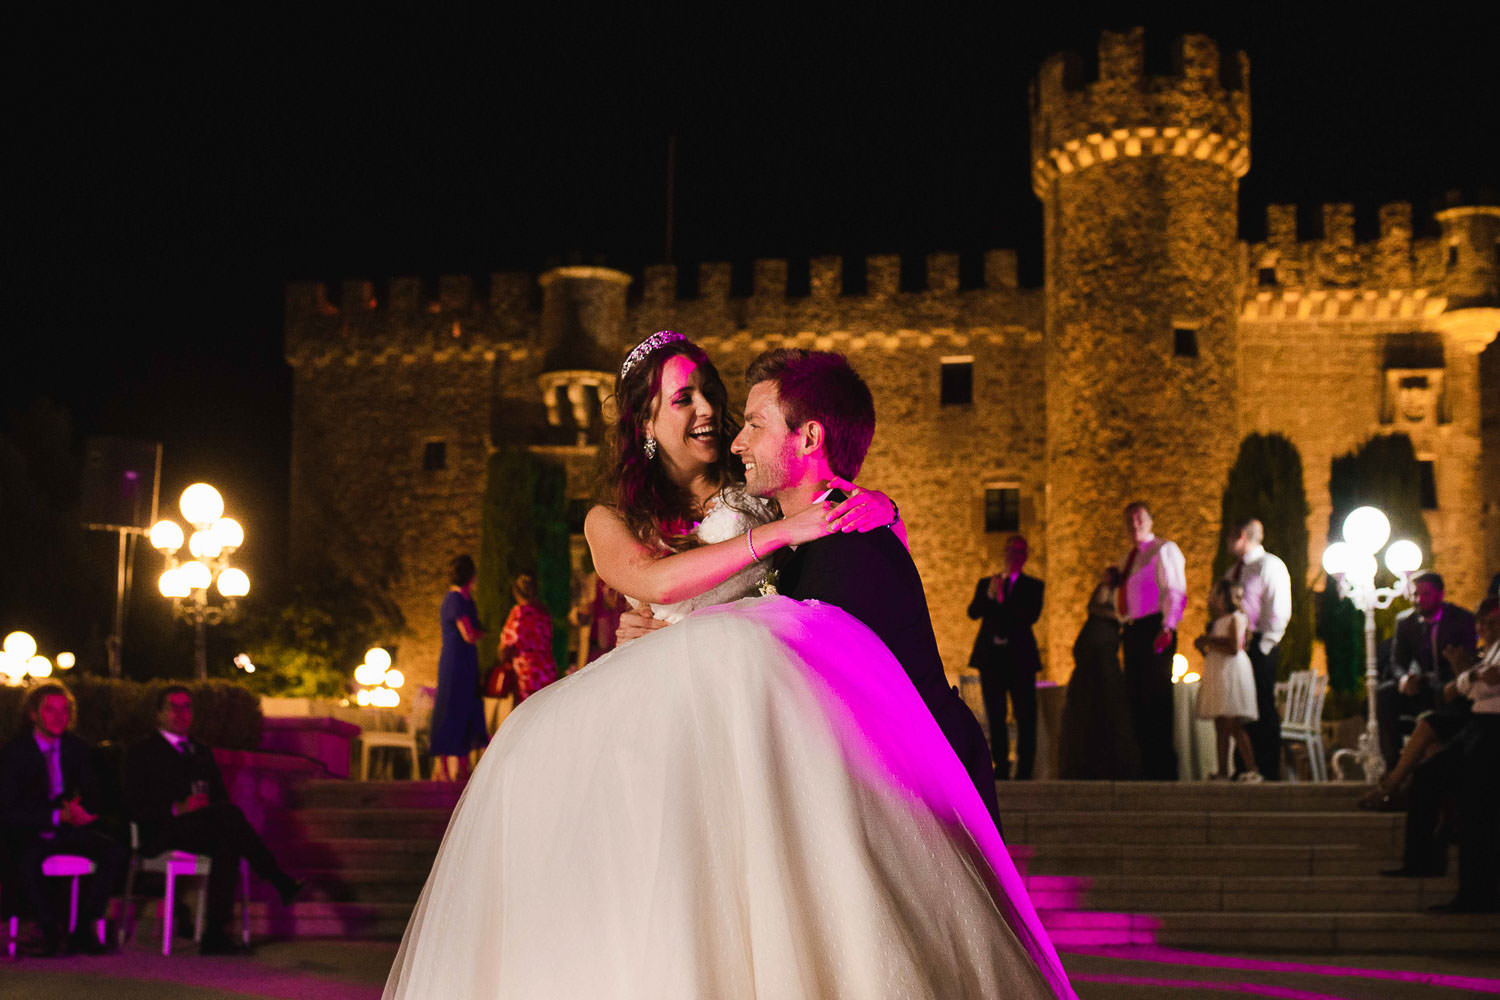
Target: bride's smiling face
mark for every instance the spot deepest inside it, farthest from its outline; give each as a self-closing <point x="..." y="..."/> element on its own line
<point x="683" y="419"/>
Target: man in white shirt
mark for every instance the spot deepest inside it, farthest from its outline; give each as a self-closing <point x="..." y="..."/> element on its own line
<point x="1268" y="606"/>
<point x="1151" y="599"/>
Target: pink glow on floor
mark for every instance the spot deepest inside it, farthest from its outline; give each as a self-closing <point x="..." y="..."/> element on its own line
<point x="1176" y="956"/>
<point x="1205" y="986"/>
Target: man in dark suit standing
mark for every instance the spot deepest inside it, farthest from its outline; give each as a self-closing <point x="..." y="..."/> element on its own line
<point x="1008" y="604"/>
<point x="48" y="791"/>
<point x="177" y="797"/>
<point x="808" y="418"/>
<point x="1418" y="669"/>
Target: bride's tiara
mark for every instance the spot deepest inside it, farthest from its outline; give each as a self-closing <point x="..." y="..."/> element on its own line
<point x="660" y="338"/>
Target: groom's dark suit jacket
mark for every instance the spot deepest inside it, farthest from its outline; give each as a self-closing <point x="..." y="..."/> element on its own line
<point x="872" y="577"/>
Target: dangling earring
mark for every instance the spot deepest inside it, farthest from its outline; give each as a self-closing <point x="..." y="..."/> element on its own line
<point x="649" y="447"/>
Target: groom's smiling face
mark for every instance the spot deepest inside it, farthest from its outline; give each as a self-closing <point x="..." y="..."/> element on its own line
<point x="769" y="448"/>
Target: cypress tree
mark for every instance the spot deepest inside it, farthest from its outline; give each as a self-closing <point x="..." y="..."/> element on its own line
<point x="523" y="529"/>
<point x="1383" y="472"/>
<point x="1265" y="483"/>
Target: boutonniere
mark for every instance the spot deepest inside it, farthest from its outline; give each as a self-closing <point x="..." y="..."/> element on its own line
<point x="768" y="585"/>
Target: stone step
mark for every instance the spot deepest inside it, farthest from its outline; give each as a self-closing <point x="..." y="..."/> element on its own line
<point x="1174" y="860"/>
<point x="332" y="794"/>
<point x="1326" y="933"/>
<point x="1018" y="797"/>
<point x="1235" y="893"/>
<point x="1373" y="831"/>
<point x="357" y="853"/>
<point x="375" y="822"/>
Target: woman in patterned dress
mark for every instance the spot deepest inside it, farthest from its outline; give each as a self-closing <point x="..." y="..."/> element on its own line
<point x="526" y="641"/>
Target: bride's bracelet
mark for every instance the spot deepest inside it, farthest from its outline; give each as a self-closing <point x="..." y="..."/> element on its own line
<point x="750" y="544"/>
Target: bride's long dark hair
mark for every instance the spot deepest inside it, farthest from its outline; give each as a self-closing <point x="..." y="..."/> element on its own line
<point x="657" y="510"/>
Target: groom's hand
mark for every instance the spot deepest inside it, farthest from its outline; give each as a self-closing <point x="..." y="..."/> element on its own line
<point x="634" y="624"/>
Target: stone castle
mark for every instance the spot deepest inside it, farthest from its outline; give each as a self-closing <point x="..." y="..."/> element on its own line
<point x="1158" y="341"/>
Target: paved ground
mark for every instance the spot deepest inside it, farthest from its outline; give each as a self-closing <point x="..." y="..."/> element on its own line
<point x="344" y="970"/>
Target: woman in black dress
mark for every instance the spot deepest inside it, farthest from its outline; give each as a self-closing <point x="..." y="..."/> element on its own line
<point x="1098" y="741"/>
<point x="458" y="712"/>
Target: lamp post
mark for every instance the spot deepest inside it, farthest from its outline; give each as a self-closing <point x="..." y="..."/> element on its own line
<point x="187" y="581"/>
<point x="1352" y="563"/>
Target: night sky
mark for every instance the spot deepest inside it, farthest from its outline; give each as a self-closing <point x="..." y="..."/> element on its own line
<point x="170" y="173"/>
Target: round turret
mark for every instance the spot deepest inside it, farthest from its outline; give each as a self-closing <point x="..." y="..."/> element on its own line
<point x="1138" y="175"/>
<point x="582" y="342"/>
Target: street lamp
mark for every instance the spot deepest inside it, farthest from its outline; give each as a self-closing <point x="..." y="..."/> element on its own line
<point x="187" y="581"/>
<point x="1352" y="563"/>
<point x="19" y="660"/>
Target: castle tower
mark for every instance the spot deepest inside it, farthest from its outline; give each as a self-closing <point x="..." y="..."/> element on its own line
<point x="582" y="343"/>
<point x="1137" y="176"/>
<point x="1470" y="246"/>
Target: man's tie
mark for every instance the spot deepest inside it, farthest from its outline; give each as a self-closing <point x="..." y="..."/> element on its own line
<point x="54" y="769"/>
<point x="1125" y="575"/>
<point x="1004" y="586"/>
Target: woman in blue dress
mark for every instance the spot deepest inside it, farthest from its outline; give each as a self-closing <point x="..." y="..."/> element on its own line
<point x="457" y="712"/>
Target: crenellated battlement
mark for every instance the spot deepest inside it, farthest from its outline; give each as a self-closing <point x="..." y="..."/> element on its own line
<point x="1200" y="112"/>
<point x="410" y="317"/>
<point x="1331" y="259"/>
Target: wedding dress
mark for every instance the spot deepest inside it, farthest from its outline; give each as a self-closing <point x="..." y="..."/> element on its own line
<point x="751" y="803"/>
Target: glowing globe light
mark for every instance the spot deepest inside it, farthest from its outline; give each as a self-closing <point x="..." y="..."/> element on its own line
<point x="166" y="537"/>
<point x="1362" y="566"/>
<point x="65" y="661"/>
<point x="1336" y="558"/>
<point x="201" y="504"/>
<point x="196" y="575"/>
<point x="1367" y="529"/>
<point x="229" y="533"/>
<point x="362" y="698"/>
<point x="378" y="657"/>
<point x="1179" y="668"/>
<point x="368" y="674"/>
<point x="20" y="645"/>
<point x="173" y="584"/>
<point x="394" y="678"/>
<point x="384" y="698"/>
<point x="1403" y="557"/>
<point x="1191" y="677"/>
<point x="39" y="666"/>
<point x="234" y="582"/>
<point x="10" y="669"/>
<point x="203" y="545"/>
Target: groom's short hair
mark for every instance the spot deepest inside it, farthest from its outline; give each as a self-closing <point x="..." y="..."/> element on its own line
<point x="821" y="386"/>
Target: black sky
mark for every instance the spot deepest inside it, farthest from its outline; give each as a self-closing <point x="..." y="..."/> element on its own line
<point x="173" y="171"/>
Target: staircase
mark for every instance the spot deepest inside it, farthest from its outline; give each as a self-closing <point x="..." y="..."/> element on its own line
<point x="1275" y="867"/>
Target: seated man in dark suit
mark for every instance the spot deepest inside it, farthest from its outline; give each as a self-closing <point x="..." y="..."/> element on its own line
<point x="176" y="796"/>
<point x="1008" y="604"/>
<point x="1418" y="669"/>
<point x="809" y="417"/>
<point x="48" y="794"/>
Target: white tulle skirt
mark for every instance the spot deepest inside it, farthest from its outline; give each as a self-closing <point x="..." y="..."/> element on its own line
<point x="752" y="803"/>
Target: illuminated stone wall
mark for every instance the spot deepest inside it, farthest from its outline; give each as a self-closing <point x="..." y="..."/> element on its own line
<point x="1080" y="398"/>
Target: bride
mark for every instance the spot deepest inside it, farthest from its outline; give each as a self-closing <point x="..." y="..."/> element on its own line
<point x="751" y="803"/>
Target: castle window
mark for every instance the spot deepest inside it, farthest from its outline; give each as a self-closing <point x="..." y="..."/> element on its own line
<point x="1185" y="342"/>
<point x="1267" y="276"/>
<point x="1002" y="508"/>
<point x="1427" y="477"/>
<point x="1453" y="256"/>
<point x="956" y="387"/>
<point x="434" y="456"/>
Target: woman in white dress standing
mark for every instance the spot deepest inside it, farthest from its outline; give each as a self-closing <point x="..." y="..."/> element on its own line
<point x="1227" y="691"/>
<point x="752" y="803"/>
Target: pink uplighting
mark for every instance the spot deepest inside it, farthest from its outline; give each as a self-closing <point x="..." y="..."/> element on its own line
<point x="1177" y="956"/>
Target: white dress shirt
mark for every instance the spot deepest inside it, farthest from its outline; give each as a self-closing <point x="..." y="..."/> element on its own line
<point x="1268" y="594"/>
<point x="1486" y="697"/>
<point x="1157" y="582"/>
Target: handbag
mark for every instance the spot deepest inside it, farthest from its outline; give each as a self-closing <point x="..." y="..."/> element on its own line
<point x="502" y="680"/>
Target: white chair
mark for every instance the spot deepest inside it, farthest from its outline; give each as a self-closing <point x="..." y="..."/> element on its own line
<point x="402" y="738"/>
<point x="174" y="865"/>
<point x="1302" y="720"/>
<point x="71" y="866"/>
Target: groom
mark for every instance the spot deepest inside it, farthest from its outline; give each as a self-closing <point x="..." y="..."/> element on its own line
<point x="810" y="417"/>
